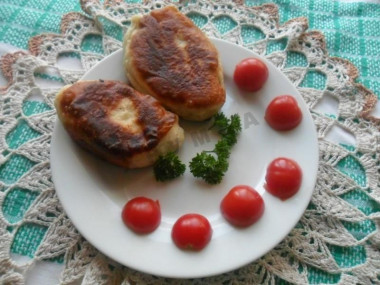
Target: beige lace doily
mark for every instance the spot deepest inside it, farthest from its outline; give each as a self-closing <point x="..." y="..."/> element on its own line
<point x="306" y="248"/>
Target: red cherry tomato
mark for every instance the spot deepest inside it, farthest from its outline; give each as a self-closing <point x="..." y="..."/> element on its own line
<point x="142" y="215"/>
<point x="192" y="231"/>
<point x="251" y="74"/>
<point x="283" y="178"/>
<point x="242" y="206"/>
<point x="283" y="113"/>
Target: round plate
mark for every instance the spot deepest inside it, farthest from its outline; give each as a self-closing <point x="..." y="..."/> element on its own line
<point x="93" y="192"/>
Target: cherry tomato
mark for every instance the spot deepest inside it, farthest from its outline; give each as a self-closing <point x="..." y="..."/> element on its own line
<point x="192" y="231"/>
<point x="283" y="178"/>
<point x="250" y="74"/>
<point x="283" y="113"/>
<point x="142" y="215"/>
<point x="242" y="206"/>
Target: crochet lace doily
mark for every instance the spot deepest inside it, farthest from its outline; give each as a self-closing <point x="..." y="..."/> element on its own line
<point x="309" y="248"/>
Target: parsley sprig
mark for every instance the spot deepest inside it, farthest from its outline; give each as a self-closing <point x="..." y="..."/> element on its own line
<point x="208" y="165"/>
<point x="212" y="165"/>
<point x="168" y="167"/>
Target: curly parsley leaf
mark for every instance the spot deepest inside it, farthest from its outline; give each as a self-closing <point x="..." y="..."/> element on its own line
<point x="212" y="165"/>
<point x="220" y="122"/>
<point x="168" y="167"/>
<point x="208" y="167"/>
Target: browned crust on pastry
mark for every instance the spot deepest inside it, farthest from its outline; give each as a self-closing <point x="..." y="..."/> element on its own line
<point x="85" y="108"/>
<point x="188" y="75"/>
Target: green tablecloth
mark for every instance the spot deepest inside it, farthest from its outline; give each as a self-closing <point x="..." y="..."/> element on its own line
<point x="352" y="31"/>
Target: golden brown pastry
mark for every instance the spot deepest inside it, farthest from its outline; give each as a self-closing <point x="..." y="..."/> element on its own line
<point x="168" y="57"/>
<point x="117" y="123"/>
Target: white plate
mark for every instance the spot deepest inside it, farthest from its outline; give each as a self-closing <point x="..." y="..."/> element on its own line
<point x="93" y="192"/>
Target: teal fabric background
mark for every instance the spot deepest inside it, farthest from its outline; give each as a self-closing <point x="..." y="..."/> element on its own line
<point x="352" y="30"/>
